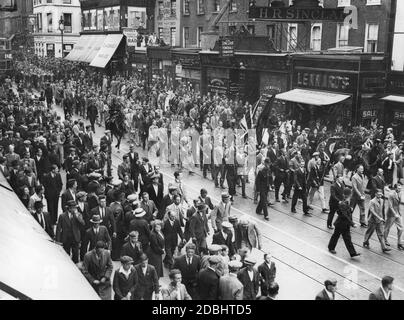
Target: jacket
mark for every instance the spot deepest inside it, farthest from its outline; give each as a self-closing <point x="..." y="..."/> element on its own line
<point x="394" y="201"/>
<point x="253" y="236"/>
<point x="358" y="186"/>
<point x="171" y="233"/>
<point x="108" y="220"/>
<point x="378" y="295"/>
<point x="250" y="287"/>
<point x="218" y="238"/>
<point x="133" y="252"/>
<point x="336" y="193"/>
<point x="376" y="211"/>
<point x="170" y="293"/>
<point x="230" y="287"/>
<point x="96" y="269"/>
<point x="146" y="284"/>
<point x="220" y="213"/>
<point x="267" y="274"/>
<point x="323" y="295"/>
<point x="198" y="226"/>
<point x="122" y="285"/>
<point x="189" y="272"/>
<point x="208" y="283"/>
<point x="91" y="238"/>
<point x="67" y="228"/>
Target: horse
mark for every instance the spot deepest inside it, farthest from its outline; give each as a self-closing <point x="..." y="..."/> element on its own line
<point x="116" y="122"/>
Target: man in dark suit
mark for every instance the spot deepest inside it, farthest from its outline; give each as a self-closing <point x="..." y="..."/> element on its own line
<point x="106" y="215"/>
<point x="43" y="218"/>
<point x="42" y="164"/>
<point x="149" y="206"/>
<point x="262" y="187"/>
<point x="68" y="230"/>
<point x="155" y="191"/>
<point x="198" y="226"/>
<point x="384" y="292"/>
<point x="140" y="225"/>
<point x="133" y="247"/>
<point x="328" y="293"/>
<point x="208" y="281"/>
<point x="144" y="169"/>
<point x="343" y="225"/>
<point x="97" y="268"/>
<point x="225" y="236"/>
<point x="53" y="186"/>
<point x="281" y="167"/>
<point x="147" y="282"/>
<point x="167" y="200"/>
<point x="336" y="196"/>
<point x="267" y="271"/>
<point x="300" y="189"/>
<point x="250" y="278"/>
<point x="94" y="234"/>
<point x="206" y="199"/>
<point x="70" y="193"/>
<point x="134" y="166"/>
<point x="189" y="264"/>
<point x="377" y="182"/>
<point x="171" y="231"/>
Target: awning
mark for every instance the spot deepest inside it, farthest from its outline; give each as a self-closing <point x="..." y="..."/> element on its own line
<point x="393" y="98"/>
<point x="107" y="50"/>
<point x="86" y="48"/>
<point x="317" y="98"/>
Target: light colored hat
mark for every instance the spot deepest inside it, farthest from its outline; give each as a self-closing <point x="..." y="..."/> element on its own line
<point x="250" y="260"/>
<point x="214" y="248"/>
<point x="139" y="212"/>
<point x="132" y="197"/>
<point x="226" y="224"/>
<point x="234" y="264"/>
<point x="214" y="260"/>
<point x="96" y="219"/>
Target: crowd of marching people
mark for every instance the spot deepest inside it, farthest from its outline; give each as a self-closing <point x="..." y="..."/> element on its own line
<point x="130" y="216"/>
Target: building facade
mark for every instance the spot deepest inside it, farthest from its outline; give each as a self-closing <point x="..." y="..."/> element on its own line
<point x="47" y="33"/>
<point x="18" y="22"/>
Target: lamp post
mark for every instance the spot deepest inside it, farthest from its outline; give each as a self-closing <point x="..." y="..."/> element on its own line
<point x="62" y="28"/>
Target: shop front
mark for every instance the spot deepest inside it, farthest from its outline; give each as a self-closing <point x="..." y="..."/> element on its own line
<point x="335" y="89"/>
<point x="187" y="66"/>
<point x="394" y="104"/>
<point x="246" y="76"/>
<point x="159" y="64"/>
<point x="50" y="50"/>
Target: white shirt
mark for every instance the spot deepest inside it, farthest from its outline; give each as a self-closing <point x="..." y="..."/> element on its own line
<point x="125" y="273"/>
<point x="41" y="219"/>
<point x="386" y="294"/>
<point x="189" y="260"/>
<point x="251" y="275"/>
<point x="329" y="294"/>
<point x="156" y="189"/>
<point x="144" y="269"/>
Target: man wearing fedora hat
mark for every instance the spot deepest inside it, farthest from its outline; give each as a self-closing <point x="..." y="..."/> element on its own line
<point x="68" y="230"/>
<point x="108" y="219"/>
<point x="94" y="234"/>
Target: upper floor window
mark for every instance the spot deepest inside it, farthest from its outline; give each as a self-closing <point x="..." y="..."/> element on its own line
<point x="186" y="7"/>
<point x="67" y="20"/>
<point x="315" y="43"/>
<point x="50" y="22"/>
<point x="216" y="7"/>
<point x="342" y="35"/>
<point x="371" y="37"/>
<point x="173" y="7"/>
<point x="292" y="37"/>
<point x="200" y="8"/>
<point x="344" y="3"/>
<point x="233" y="5"/>
<point x="161" y="8"/>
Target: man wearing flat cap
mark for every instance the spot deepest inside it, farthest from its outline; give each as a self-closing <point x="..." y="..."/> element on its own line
<point x="68" y="230"/>
<point x="247" y="234"/>
<point x="198" y="226"/>
<point x="250" y="278"/>
<point x="328" y="293"/>
<point x="225" y="236"/>
<point x="230" y="287"/>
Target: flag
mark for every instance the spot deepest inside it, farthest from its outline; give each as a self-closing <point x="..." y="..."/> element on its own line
<point x="243" y="123"/>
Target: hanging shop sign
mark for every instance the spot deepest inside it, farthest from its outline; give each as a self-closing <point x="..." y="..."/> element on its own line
<point x="226" y="47"/>
<point x="323" y="80"/>
<point x="293" y="14"/>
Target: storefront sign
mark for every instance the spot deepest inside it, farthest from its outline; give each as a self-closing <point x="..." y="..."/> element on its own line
<point x="219" y="86"/>
<point x="226" y="47"/>
<point x="369" y="114"/>
<point x="297" y="14"/>
<point x="399" y="115"/>
<point x="131" y="37"/>
<point x="178" y="69"/>
<point x="373" y="84"/>
<point x="322" y="80"/>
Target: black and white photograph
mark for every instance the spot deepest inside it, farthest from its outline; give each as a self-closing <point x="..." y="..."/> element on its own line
<point x="201" y="150"/>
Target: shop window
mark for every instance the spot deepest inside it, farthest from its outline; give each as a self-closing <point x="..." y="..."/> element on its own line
<point x="371" y="37"/>
<point x="271" y="31"/>
<point x="161" y="8"/>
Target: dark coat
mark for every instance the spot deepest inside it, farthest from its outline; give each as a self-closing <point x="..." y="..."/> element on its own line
<point x="336" y="194"/>
<point x="146" y="284"/>
<point x="208" y="282"/>
<point x="262" y="180"/>
<point x="66" y="196"/>
<point x="189" y="273"/>
<point x="322" y="295"/>
<point x="219" y="239"/>
<point x="53" y="186"/>
<point x="133" y="252"/>
<point x="300" y="180"/>
<point x="48" y="224"/>
<point x="157" y="199"/>
<point x="250" y="287"/>
<point x="66" y="227"/>
<point x="267" y="276"/>
<point x="108" y="220"/>
<point x="156" y="251"/>
<point x="122" y="285"/>
<point x="91" y="239"/>
<point x="198" y="226"/>
<point x="171" y="233"/>
<point x="141" y="225"/>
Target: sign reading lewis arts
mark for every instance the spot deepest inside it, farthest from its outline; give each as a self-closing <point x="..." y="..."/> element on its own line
<point x="294" y="14"/>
